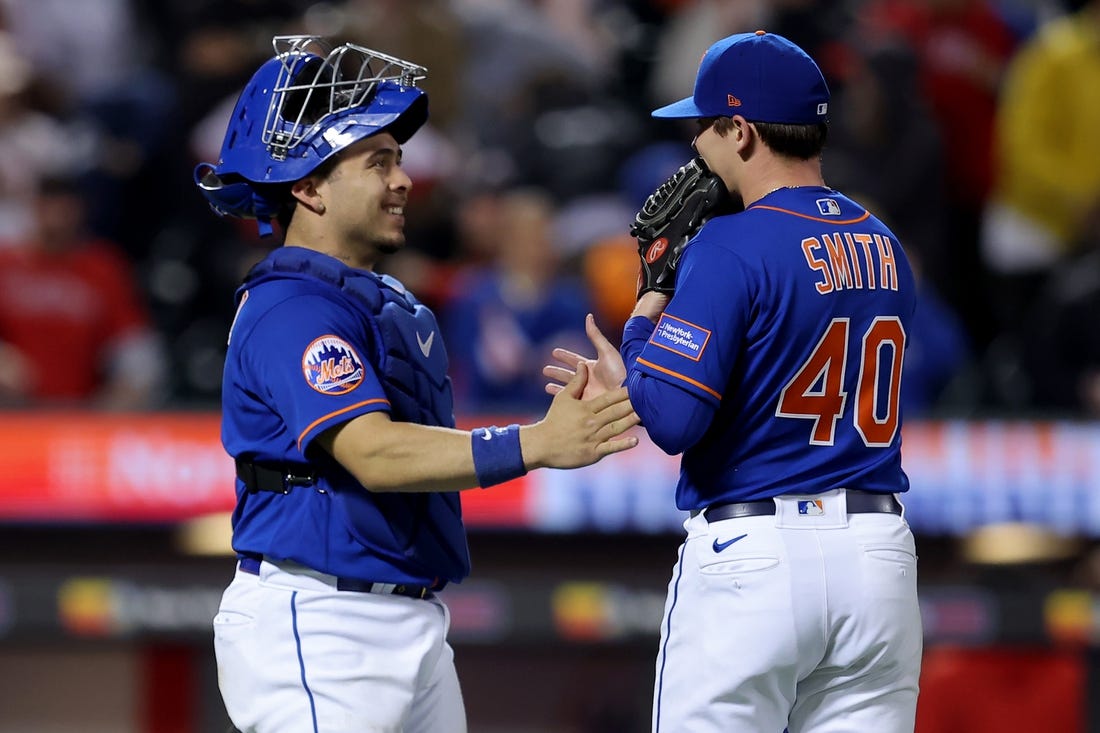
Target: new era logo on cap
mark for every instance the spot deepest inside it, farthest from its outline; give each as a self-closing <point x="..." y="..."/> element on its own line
<point x="761" y="76"/>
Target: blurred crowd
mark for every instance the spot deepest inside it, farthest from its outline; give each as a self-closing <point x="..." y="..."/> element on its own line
<point x="970" y="126"/>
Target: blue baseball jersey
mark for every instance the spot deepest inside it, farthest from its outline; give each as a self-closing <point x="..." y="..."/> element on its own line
<point x="776" y="367"/>
<point x="315" y="344"/>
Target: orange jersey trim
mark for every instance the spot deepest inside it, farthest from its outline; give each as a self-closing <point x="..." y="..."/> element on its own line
<point x="331" y="415"/>
<point x="866" y="214"/>
<point x="671" y="373"/>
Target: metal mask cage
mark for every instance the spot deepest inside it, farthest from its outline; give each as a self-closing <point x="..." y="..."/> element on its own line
<point x="318" y="80"/>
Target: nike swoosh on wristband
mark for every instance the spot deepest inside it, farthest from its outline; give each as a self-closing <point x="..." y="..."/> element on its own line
<point x="426" y="344"/>
<point x="719" y="546"/>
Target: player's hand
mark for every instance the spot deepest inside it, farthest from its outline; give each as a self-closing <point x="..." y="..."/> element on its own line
<point x="605" y="373"/>
<point x="578" y="432"/>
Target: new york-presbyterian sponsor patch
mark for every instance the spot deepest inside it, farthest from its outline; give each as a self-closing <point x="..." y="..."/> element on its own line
<point x="680" y="336"/>
<point x="331" y="366"/>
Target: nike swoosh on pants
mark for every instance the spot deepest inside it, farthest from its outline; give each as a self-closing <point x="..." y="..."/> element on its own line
<point x="719" y="546"/>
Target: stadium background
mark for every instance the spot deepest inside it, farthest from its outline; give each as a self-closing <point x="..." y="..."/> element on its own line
<point x="113" y="537"/>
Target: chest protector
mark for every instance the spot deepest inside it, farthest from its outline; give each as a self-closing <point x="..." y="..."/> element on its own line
<point x="409" y="358"/>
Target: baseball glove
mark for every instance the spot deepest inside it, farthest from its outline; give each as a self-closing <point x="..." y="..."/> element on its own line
<point x="669" y="218"/>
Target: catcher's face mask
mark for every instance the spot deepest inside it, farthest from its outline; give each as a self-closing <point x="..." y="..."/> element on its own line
<point x="300" y="108"/>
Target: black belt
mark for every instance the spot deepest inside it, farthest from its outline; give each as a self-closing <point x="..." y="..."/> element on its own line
<point x="251" y="564"/>
<point x="859" y="502"/>
<point x="277" y="478"/>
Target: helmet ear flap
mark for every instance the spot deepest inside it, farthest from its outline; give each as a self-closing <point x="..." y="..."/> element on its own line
<point x="236" y="199"/>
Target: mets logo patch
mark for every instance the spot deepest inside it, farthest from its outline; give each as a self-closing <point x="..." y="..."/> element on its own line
<point x="680" y="336"/>
<point x="331" y="366"/>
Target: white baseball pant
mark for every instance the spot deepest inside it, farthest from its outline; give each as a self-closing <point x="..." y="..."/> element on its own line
<point x="295" y="655"/>
<point x="804" y="622"/>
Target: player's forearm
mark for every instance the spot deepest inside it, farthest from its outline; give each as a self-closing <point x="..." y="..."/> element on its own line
<point x="674" y="418"/>
<point x="635" y="335"/>
<point x="407" y="457"/>
<point x="404" y="457"/>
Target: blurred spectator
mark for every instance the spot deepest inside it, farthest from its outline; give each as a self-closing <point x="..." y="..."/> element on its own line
<point x="1062" y="333"/>
<point x="610" y="269"/>
<point x="687" y="33"/>
<point x="1024" y="17"/>
<point x="83" y="54"/>
<point x="937" y="353"/>
<point x="506" y="316"/>
<point x="212" y="45"/>
<point x="73" y="329"/>
<point x="594" y="233"/>
<point x="962" y="47"/>
<point x="543" y="99"/>
<point x="645" y="169"/>
<point x="884" y="148"/>
<point x="426" y="30"/>
<point x="433" y="260"/>
<point x="821" y="28"/>
<point x="96" y="74"/>
<point x="32" y="143"/>
<point x="1048" y="189"/>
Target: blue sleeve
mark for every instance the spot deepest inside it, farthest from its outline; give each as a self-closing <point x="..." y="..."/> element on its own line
<point x="312" y="358"/>
<point x="674" y="418"/>
<point x="678" y="367"/>
<point x="697" y="340"/>
<point x="635" y="334"/>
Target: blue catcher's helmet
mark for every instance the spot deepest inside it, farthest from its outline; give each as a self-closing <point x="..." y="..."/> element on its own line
<point x="299" y="109"/>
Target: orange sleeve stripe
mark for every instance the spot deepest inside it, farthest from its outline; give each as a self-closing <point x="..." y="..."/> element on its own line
<point x="331" y="415"/>
<point x="857" y="220"/>
<point x="671" y="373"/>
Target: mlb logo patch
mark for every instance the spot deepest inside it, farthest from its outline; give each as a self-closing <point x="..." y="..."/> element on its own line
<point x="811" y="508"/>
<point x="828" y="207"/>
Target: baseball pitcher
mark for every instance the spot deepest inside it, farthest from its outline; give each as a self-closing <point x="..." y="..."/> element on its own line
<point x="767" y="347"/>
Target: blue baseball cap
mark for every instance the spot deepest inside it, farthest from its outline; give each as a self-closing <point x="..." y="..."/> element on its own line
<point x="760" y="76"/>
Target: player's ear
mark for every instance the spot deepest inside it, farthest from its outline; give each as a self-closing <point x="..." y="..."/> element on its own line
<point x="743" y="134"/>
<point x="739" y="128"/>
<point x="305" y="191"/>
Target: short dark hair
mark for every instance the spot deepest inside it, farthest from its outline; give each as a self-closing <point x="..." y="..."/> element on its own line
<point x="795" y="141"/>
<point x="280" y="192"/>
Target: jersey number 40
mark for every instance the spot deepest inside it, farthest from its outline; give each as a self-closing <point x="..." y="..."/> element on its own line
<point x="816" y="392"/>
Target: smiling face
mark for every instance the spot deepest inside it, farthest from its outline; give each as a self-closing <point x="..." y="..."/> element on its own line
<point x="356" y="211"/>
